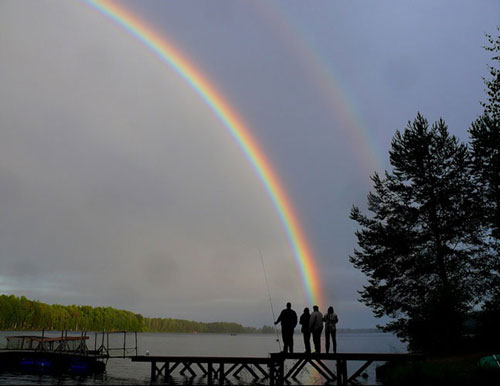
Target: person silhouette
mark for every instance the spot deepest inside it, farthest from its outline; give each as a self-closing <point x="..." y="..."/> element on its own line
<point x="316" y="327"/>
<point x="331" y="320"/>
<point x="304" y="321"/>
<point x="288" y="320"/>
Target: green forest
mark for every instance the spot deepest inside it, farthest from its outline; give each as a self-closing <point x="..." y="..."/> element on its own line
<point x="22" y="314"/>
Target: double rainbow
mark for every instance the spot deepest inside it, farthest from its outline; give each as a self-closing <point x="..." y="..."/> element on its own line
<point x="238" y="130"/>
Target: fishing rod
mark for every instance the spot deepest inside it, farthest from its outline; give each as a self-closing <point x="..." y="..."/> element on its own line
<point x="270" y="301"/>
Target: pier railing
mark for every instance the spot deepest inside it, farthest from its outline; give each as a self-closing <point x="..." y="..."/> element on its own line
<point x="69" y="342"/>
<point x="124" y="350"/>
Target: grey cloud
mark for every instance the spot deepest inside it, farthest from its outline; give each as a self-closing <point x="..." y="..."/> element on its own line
<point x="119" y="187"/>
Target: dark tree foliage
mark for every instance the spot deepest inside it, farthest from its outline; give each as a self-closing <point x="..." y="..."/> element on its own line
<point x="419" y="246"/>
<point x="485" y="149"/>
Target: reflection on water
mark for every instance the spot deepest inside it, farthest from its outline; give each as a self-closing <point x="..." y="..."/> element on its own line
<point x="125" y="372"/>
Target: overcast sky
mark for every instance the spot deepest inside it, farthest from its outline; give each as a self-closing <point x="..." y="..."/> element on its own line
<point x="120" y="187"/>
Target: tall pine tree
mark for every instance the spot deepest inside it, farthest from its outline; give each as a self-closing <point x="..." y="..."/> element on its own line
<point x="418" y="248"/>
<point x="485" y="150"/>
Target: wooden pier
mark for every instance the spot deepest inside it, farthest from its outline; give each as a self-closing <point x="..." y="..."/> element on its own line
<point x="270" y="370"/>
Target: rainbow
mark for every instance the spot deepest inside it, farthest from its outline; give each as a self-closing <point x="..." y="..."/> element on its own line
<point x="238" y="130"/>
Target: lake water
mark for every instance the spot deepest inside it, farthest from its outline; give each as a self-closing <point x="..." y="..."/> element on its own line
<point x="124" y="372"/>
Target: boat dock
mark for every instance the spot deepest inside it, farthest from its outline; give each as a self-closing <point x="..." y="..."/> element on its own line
<point x="276" y="369"/>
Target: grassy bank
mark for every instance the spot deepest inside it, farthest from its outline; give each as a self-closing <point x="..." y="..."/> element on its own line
<point x="460" y="370"/>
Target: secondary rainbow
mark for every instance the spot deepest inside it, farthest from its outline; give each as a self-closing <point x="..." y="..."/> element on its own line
<point x="173" y="57"/>
<point x="328" y="79"/>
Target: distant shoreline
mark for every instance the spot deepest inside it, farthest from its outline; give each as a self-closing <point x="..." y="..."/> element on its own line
<point x="359" y="331"/>
<point x="22" y="314"/>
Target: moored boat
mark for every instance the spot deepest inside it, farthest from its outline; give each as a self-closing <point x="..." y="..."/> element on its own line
<point x="490" y="362"/>
<point x="41" y="354"/>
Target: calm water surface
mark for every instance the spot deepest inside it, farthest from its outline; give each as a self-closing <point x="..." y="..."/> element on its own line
<point x="124" y="372"/>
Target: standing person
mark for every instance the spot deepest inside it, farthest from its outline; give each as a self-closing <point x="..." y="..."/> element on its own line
<point x="304" y="321"/>
<point x="331" y="320"/>
<point x="288" y="319"/>
<point x="316" y="327"/>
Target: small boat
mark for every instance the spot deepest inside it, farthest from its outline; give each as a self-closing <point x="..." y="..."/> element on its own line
<point x="490" y="362"/>
<point x="42" y="354"/>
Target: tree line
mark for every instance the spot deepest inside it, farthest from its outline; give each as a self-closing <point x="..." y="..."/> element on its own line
<point x="20" y="313"/>
<point x="179" y="325"/>
<point x="430" y="245"/>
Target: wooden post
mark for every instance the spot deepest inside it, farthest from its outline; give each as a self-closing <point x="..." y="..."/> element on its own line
<point x="124" y="342"/>
<point x="281" y="379"/>
<point x="42" y="347"/>
<point x="167" y="371"/>
<point x="221" y="374"/>
<point x="271" y="374"/>
<point x="342" y="372"/>
<point x="153" y="371"/>
<point x="210" y="368"/>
